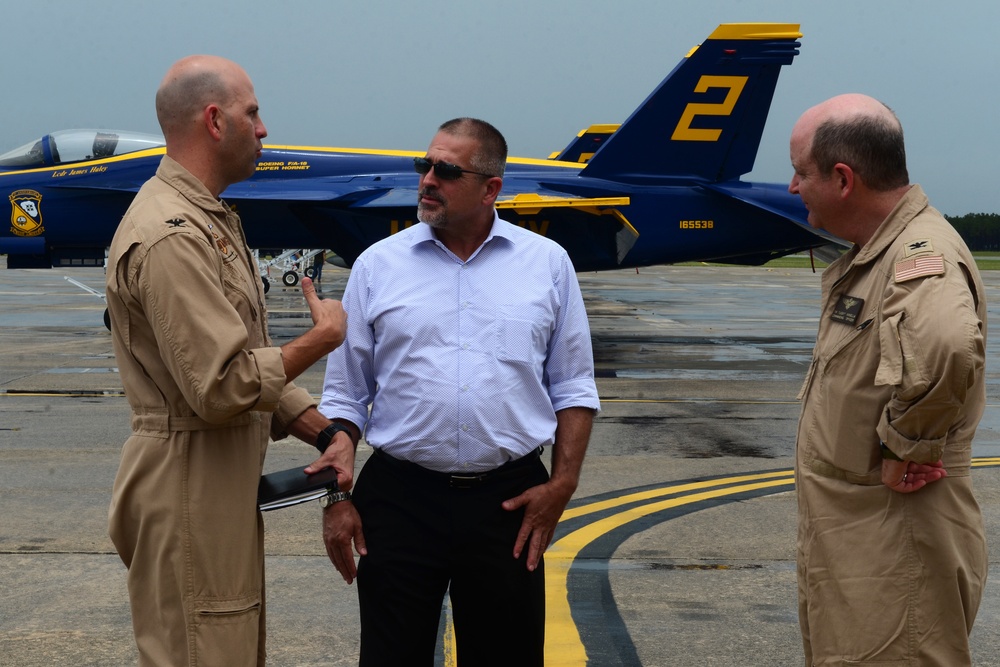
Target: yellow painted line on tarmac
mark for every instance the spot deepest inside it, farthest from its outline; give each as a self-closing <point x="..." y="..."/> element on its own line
<point x="563" y="645"/>
<point x="739" y="401"/>
<point x="666" y="491"/>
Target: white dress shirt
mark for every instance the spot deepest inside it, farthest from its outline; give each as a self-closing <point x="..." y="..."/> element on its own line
<point x="464" y="364"/>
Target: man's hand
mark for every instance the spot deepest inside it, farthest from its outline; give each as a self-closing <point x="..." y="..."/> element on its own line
<point x="328" y="316"/>
<point x="328" y="332"/>
<point x="907" y="476"/>
<point x="339" y="455"/>
<point x="543" y="505"/>
<point x="341" y="525"/>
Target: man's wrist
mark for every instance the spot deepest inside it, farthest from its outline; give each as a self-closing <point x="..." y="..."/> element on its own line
<point x="326" y="436"/>
<point x="332" y="497"/>
<point x="888" y="453"/>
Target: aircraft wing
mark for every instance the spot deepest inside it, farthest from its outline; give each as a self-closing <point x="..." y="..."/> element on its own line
<point x="558" y="208"/>
<point x="346" y="191"/>
<point x="564" y="214"/>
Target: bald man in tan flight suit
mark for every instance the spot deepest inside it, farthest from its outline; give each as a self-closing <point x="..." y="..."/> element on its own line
<point x="891" y="546"/>
<point x="206" y="386"/>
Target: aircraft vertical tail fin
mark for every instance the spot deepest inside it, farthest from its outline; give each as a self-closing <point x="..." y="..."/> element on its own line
<point x="585" y="144"/>
<point x="705" y="120"/>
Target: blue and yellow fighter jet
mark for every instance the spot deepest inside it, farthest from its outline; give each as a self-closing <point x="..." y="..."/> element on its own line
<point x="663" y="187"/>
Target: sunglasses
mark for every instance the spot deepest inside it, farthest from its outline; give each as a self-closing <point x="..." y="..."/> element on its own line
<point x="446" y="171"/>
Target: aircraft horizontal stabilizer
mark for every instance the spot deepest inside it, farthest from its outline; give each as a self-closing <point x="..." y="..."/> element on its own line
<point x="763" y="197"/>
<point x="532" y="204"/>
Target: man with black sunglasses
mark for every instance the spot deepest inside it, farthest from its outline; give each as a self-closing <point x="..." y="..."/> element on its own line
<point x="468" y="339"/>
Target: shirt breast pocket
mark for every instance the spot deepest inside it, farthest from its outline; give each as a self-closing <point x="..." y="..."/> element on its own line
<point x="519" y="340"/>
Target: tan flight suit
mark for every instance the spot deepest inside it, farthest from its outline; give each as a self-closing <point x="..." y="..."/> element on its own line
<point x="888" y="578"/>
<point x="206" y="390"/>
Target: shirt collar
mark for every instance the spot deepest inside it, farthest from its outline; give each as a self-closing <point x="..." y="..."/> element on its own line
<point x="501" y="229"/>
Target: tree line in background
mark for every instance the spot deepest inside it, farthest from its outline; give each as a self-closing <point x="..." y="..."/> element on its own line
<point x="981" y="231"/>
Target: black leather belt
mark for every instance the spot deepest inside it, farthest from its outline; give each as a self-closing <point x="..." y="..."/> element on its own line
<point x="458" y="480"/>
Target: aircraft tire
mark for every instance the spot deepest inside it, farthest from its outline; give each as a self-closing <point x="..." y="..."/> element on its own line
<point x="107" y="319"/>
<point x="267" y="284"/>
<point x="310" y="272"/>
<point x="290" y="279"/>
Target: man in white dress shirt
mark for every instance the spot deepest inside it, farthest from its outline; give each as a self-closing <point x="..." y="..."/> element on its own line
<point x="468" y="338"/>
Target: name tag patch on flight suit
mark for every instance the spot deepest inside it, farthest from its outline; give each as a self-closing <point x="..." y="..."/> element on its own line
<point x="847" y="310"/>
<point x="917" y="267"/>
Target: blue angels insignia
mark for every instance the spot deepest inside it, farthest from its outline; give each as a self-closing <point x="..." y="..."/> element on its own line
<point x="26" y="213"/>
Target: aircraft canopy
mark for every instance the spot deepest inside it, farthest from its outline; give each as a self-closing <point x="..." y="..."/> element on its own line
<point x="77" y="146"/>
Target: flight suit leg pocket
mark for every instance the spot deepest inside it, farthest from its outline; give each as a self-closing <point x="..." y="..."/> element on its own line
<point x="226" y="632"/>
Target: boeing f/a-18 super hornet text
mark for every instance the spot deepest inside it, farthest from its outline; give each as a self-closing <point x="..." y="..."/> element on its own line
<point x="663" y="187"/>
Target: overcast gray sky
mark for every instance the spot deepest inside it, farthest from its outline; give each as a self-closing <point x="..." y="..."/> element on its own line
<point x="385" y="73"/>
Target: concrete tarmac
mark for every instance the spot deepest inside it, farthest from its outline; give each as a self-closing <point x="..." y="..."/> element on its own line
<point x="678" y="549"/>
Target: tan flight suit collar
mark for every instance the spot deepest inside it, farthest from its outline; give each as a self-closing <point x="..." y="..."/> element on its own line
<point x="171" y="172"/>
<point x="906" y="209"/>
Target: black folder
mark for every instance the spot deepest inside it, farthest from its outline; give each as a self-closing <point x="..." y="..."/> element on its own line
<point x="291" y="487"/>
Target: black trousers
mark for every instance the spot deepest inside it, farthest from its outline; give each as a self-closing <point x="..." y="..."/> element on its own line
<point x="423" y="535"/>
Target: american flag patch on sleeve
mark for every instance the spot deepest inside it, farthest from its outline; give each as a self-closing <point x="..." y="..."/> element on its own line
<point x="917" y="267"/>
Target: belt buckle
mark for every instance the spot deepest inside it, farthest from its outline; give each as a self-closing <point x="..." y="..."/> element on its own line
<point x="465" y="481"/>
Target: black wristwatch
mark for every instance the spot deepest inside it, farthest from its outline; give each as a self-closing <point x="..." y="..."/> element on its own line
<point x="332" y="497"/>
<point x="326" y="435"/>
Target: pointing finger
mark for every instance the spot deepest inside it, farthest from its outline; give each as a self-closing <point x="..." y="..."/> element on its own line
<point x="307" y="287"/>
<point x="309" y="292"/>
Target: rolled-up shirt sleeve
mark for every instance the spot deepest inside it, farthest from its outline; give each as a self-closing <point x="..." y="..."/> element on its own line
<point x="932" y="346"/>
<point x="569" y="368"/>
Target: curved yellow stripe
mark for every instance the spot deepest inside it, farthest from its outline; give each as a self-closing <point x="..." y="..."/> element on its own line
<point x="563" y="646"/>
<point x="665" y="491"/>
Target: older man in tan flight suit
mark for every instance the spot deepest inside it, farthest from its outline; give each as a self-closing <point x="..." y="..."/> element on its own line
<point x="205" y="384"/>
<point x="891" y="547"/>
